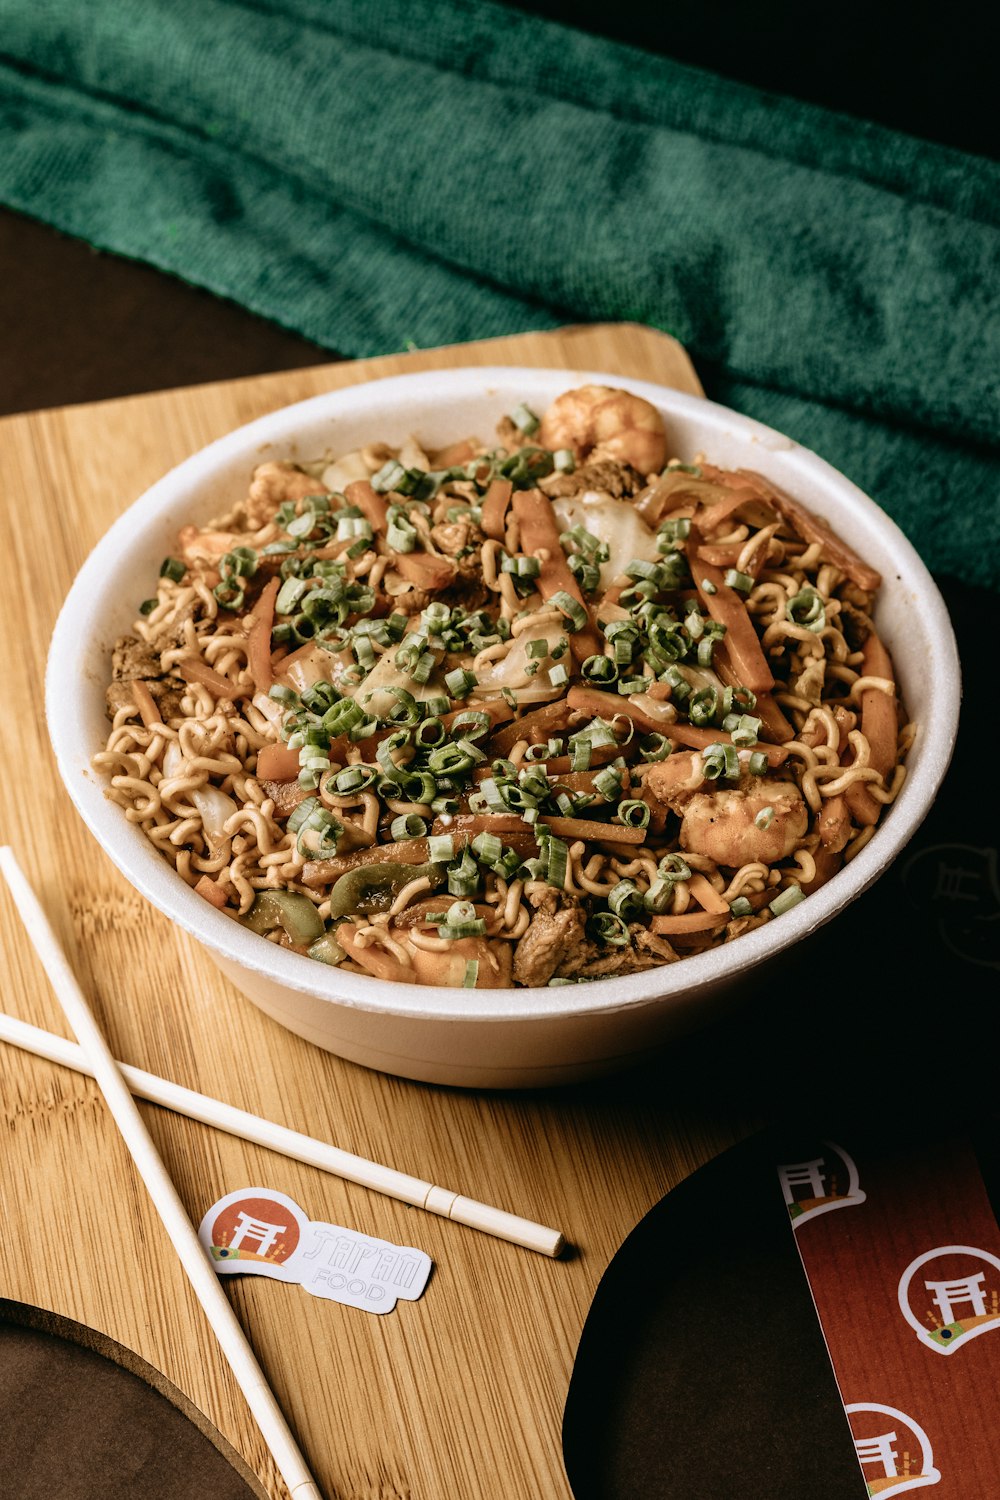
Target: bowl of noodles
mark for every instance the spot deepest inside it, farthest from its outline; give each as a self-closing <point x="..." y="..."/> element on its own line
<point x="487" y="726"/>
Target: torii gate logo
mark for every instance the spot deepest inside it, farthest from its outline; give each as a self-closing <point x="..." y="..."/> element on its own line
<point x="951" y="1295"/>
<point x="819" y="1183"/>
<point x="262" y="1233"/>
<point x="893" y="1450"/>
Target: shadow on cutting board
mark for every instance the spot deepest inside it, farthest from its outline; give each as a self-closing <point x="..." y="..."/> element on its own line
<point x="706" y="1366"/>
<point x="84" y="1417"/>
<point x="702" y="1372"/>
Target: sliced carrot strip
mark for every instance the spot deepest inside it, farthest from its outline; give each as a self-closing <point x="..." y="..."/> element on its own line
<point x="587" y="828"/>
<point x="145" y="703"/>
<point x="708" y="897"/>
<point x="193" y="669"/>
<point x="277" y="763"/>
<point x="259" y="638"/>
<point x="651" y="715"/>
<point x="878" y="725"/>
<point x="495" y="505"/>
<point x="212" y="892"/>
<point x="725" y="605"/>
<point x="834" y="824"/>
<point x="535" y="727"/>
<point x="699" y="739"/>
<point x="690" y="921"/>
<point x="371" y="504"/>
<point x="539" y="532"/>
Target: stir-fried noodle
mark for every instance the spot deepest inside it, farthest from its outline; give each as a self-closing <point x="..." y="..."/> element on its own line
<point x="525" y="714"/>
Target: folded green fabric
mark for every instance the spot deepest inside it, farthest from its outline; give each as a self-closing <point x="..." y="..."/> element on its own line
<point x="437" y="170"/>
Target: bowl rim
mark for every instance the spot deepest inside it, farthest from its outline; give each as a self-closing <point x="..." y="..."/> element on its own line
<point x="690" y="975"/>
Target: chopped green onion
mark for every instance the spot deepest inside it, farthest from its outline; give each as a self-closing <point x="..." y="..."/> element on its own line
<point x="758" y="764"/>
<point x="327" y="830"/>
<point x="564" y="460"/>
<point x="634" y="813"/>
<point x="463" y="877"/>
<point x="460" y="682"/>
<point x="354" y="779"/>
<point x="147" y="606"/>
<point x="743" y="729"/>
<point x="229" y="594"/>
<point x="487" y="848"/>
<point x="674" y="867"/>
<point x="741" y="582"/>
<point x="788" y="898"/>
<point x="440" y="848"/>
<point x="659" y="896"/>
<point x="764" y="818"/>
<point x="241" y="562"/>
<point x="740" y="907"/>
<point x="609" y="783"/>
<point x="388" y="476"/>
<point x="407" y="826"/>
<point x="708" y="586"/>
<point x="625" y="899"/>
<point x="599" y="669"/>
<point x="720" y="760"/>
<point x="522" y="566"/>
<point x="806" y="608"/>
<point x="524" y="419"/>
<point x="471" y="974"/>
<point x="556" y="861"/>
<point x="172" y="568"/>
<point x="609" y="929"/>
<point x="570" y="607"/>
<point x="654" y="746"/>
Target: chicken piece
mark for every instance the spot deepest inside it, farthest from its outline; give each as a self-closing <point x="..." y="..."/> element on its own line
<point x="286" y="796"/>
<point x="166" y="693"/>
<point x="449" y="968"/>
<point x="644" y="950"/>
<point x="132" y="658"/>
<point x="722" y="825"/>
<point x="451" y="537"/>
<point x="272" y="484"/>
<point x="551" y="936"/>
<point x="620" y="481"/>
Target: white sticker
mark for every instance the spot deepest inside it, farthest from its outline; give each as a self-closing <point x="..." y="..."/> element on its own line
<point x="258" y="1232"/>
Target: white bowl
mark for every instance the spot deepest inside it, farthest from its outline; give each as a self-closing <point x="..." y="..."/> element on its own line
<point x="482" y="1038"/>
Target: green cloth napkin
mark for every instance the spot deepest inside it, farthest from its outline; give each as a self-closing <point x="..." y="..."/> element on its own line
<point x="375" y="172"/>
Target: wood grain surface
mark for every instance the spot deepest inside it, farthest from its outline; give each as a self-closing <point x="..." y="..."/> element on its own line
<point x="458" y="1394"/>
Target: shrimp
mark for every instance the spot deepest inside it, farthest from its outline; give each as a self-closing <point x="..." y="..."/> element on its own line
<point x="603" y="422"/>
<point x="732" y="826"/>
<point x="271" y="485"/>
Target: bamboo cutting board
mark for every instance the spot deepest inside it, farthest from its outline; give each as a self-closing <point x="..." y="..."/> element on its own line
<point x="457" y="1394"/>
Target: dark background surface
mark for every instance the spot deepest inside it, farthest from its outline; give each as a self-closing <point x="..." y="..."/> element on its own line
<point x="80" y="326"/>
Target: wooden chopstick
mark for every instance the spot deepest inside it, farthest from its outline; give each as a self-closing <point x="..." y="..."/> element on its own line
<point x="183" y="1101"/>
<point x="238" y="1122"/>
<point x="200" y="1272"/>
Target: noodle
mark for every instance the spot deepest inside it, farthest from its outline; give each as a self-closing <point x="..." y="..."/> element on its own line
<point x="384" y="831"/>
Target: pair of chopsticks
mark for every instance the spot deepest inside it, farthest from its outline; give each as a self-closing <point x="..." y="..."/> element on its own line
<point x="118" y="1082"/>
